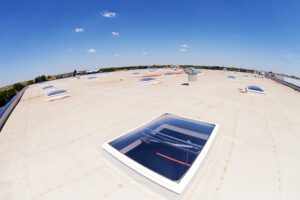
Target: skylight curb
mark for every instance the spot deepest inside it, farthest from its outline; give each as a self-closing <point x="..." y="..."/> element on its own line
<point x="175" y="187"/>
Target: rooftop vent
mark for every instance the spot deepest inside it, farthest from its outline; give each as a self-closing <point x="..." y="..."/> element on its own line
<point x="192" y="74"/>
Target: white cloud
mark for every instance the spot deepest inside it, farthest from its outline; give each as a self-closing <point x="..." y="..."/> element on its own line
<point x="144" y="53"/>
<point x="91" y="50"/>
<point x="117" y="55"/>
<point x="78" y="30"/>
<point x="183" y="50"/>
<point x="115" y="33"/>
<point x="108" y="14"/>
<point x="184" y="46"/>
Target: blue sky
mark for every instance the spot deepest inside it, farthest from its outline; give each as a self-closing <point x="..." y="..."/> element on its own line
<point x="55" y="36"/>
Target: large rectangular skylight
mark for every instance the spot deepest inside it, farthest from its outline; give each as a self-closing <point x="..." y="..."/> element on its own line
<point x="168" y="150"/>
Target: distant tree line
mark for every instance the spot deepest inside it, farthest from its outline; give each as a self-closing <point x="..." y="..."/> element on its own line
<point x="40" y="79"/>
<point x="112" y="69"/>
<point x="9" y="92"/>
<point x="220" y="68"/>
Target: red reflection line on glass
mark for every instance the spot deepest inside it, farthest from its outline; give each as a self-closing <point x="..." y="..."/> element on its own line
<point x="172" y="159"/>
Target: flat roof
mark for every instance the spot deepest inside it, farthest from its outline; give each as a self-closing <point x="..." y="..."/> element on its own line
<point x="53" y="150"/>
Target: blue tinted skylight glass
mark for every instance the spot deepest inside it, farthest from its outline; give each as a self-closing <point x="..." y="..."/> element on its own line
<point x="232" y="77"/>
<point x="48" y="87"/>
<point x="255" y="88"/>
<point x="92" y="77"/>
<point x="57" y="92"/>
<point x="147" y="79"/>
